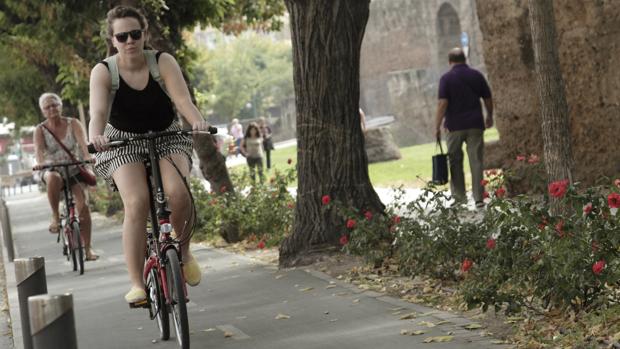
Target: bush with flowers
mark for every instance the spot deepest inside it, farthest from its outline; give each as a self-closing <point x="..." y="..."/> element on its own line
<point x="514" y="254"/>
<point x="263" y="212"/>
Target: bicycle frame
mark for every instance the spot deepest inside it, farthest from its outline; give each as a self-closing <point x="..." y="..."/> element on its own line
<point x="160" y="239"/>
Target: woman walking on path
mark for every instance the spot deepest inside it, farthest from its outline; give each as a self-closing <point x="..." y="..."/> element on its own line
<point x="252" y="149"/>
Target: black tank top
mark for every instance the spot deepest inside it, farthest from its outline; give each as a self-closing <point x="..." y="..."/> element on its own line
<point x="140" y="111"/>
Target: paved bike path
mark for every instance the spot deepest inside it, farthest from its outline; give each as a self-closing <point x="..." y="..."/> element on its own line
<point x="236" y="306"/>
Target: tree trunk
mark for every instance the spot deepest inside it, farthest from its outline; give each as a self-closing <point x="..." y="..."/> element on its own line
<point x="551" y="92"/>
<point x="212" y="162"/>
<point x="327" y="37"/>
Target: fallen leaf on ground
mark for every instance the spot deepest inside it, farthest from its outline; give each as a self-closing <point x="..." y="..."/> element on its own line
<point x="329" y="286"/>
<point x="442" y="322"/>
<point x="279" y="277"/>
<point x="282" y="317"/>
<point x="426" y="323"/>
<point x="439" y="339"/>
<point x="306" y="289"/>
<point x="408" y="316"/>
<point x="473" y="326"/>
<point x="228" y="334"/>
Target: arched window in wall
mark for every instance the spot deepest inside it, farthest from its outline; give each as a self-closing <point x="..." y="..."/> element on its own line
<point x="448" y="32"/>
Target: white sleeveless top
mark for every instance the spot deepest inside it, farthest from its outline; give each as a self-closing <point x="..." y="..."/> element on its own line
<point x="53" y="151"/>
<point x="254" y="147"/>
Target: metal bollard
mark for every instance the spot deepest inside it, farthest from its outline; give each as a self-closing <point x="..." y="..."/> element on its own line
<point x="7" y="234"/>
<point x="52" y="321"/>
<point x="31" y="281"/>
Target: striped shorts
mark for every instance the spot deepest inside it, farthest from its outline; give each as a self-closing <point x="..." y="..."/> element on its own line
<point x="109" y="161"/>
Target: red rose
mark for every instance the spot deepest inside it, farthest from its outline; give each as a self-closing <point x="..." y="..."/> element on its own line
<point x="597" y="268"/>
<point x="368" y="215"/>
<point x="289" y="161"/>
<point x="500" y="192"/>
<point x="325" y="199"/>
<point x="542" y="226"/>
<point x="344" y="239"/>
<point x="467" y="263"/>
<point x="485" y="195"/>
<point x="533" y="159"/>
<point x="520" y="157"/>
<point x="350" y="223"/>
<point x="613" y="200"/>
<point x="484" y="182"/>
<point x="587" y="208"/>
<point x="396" y="219"/>
<point x="490" y="243"/>
<point x="261" y="244"/>
<point x="558" y="189"/>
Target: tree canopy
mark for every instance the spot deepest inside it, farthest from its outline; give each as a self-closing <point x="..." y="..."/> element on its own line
<point x="241" y="77"/>
<point x="53" y="44"/>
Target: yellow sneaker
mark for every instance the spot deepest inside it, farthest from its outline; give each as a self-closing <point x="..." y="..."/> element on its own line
<point x="191" y="271"/>
<point x="135" y="295"/>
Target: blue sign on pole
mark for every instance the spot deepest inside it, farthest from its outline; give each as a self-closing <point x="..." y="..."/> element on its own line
<point x="464" y="39"/>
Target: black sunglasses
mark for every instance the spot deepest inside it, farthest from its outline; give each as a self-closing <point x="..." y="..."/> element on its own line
<point x="135" y="35"/>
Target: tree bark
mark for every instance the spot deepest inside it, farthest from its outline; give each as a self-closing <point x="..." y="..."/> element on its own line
<point x="552" y="96"/>
<point x="327" y="37"/>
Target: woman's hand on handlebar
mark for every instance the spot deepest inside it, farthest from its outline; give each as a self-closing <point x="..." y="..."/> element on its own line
<point x="201" y="126"/>
<point x="99" y="142"/>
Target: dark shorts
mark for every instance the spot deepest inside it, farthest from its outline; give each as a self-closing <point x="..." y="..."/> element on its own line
<point x="75" y="179"/>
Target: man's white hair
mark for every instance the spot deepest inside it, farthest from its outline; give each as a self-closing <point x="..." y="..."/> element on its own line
<point x="48" y="95"/>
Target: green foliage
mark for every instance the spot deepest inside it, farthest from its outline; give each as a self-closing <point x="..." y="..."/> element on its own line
<point x="262" y="211"/>
<point x="513" y="254"/>
<point x="105" y="201"/>
<point x="249" y="69"/>
<point x="52" y="45"/>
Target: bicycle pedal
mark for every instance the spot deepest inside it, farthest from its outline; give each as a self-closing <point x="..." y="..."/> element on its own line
<point x="141" y="304"/>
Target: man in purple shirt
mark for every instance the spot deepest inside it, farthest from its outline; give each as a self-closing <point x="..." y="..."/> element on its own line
<point x="460" y="91"/>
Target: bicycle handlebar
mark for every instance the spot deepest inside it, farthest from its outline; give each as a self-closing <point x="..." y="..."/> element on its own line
<point x="62" y="164"/>
<point x="122" y="141"/>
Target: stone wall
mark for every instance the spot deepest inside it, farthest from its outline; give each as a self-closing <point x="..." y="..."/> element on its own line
<point x="404" y="54"/>
<point x="589" y="56"/>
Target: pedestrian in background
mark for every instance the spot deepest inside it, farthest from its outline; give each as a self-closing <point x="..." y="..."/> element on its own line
<point x="252" y="149"/>
<point x="236" y="130"/>
<point x="460" y="91"/>
<point x="265" y="130"/>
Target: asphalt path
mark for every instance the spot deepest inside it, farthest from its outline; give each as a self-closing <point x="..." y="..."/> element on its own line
<point x="241" y="303"/>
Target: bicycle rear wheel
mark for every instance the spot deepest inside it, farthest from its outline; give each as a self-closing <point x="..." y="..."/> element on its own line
<point x="176" y="292"/>
<point x="77" y="248"/>
<point x="158" y="304"/>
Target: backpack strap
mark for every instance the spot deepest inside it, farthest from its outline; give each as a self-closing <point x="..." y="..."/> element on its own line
<point x="115" y="80"/>
<point x="151" y="61"/>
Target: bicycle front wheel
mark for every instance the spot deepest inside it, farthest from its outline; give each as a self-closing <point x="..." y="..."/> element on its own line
<point x="78" y="248"/>
<point x="158" y="303"/>
<point x="176" y="292"/>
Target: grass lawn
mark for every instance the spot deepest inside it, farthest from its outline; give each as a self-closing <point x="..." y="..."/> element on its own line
<point x="412" y="170"/>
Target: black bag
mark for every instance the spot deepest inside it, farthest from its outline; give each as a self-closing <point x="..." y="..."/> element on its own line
<point x="440" y="166"/>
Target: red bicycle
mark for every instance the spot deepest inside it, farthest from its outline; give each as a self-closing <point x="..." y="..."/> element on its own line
<point x="69" y="232"/>
<point x="164" y="280"/>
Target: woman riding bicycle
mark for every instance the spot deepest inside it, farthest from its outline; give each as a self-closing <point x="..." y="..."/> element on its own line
<point x="141" y="105"/>
<point x="47" y="150"/>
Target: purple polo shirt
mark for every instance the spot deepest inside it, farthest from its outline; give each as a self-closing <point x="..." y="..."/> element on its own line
<point x="463" y="87"/>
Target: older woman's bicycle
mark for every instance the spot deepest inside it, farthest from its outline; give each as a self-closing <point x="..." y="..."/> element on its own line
<point x="164" y="279"/>
<point x="69" y="232"/>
